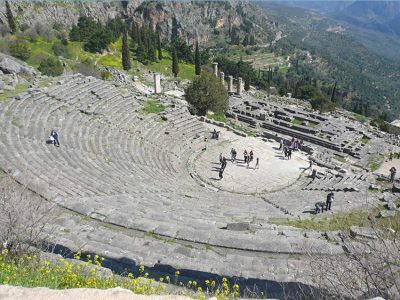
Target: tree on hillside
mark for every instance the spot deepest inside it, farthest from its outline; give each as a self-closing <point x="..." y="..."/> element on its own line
<point x="135" y="32"/>
<point x="20" y="49"/>
<point x="207" y="93"/>
<point x="51" y="66"/>
<point x="83" y="30"/>
<point x="159" y="49"/>
<point x="126" y="60"/>
<point x="98" y="41"/>
<point x="10" y="18"/>
<point x="175" y="64"/>
<point x="334" y="93"/>
<point x="197" y="62"/>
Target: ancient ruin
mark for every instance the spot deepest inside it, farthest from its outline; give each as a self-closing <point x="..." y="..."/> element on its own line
<point x="142" y="179"/>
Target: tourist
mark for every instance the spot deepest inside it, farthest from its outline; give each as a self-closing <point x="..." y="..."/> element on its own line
<point x="281" y="144"/>
<point x="54" y="138"/>
<point x="285" y="149"/>
<point x="392" y="173"/>
<point x="289" y="154"/>
<point x="223" y="164"/>
<point x="329" y="200"/>
<point x="251" y="156"/>
<point x="319" y="207"/>
<point x="232" y="151"/>
<point x="257" y="163"/>
<point x="245" y="156"/>
<point x="234" y="154"/>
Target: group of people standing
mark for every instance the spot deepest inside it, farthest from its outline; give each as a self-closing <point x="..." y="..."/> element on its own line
<point x="288" y="146"/>
<point x="247" y="158"/>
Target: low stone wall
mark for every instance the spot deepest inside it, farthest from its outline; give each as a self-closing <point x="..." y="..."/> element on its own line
<point x="223" y="125"/>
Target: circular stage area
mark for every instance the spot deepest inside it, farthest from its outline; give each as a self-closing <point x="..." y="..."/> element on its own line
<point x="274" y="172"/>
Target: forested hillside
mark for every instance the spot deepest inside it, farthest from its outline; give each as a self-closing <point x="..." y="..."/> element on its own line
<point x="367" y="83"/>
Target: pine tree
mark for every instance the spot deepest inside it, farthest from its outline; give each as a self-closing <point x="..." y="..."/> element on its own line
<point x="252" y="40"/>
<point x="151" y="53"/>
<point x="197" y="60"/>
<point x="175" y="65"/>
<point x="10" y="18"/>
<point x="246" y="40"/>
<point x="134" y="32"/>
<point x="333" y="93"/>
<point x="160" y="57"/>
<point x="247" y="83"/>
<point x="126" y="60"/>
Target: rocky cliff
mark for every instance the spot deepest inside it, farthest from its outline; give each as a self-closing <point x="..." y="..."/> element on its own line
<point x="203" y="20"/>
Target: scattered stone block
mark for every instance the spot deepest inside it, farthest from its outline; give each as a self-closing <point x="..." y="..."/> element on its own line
<point x="387" y="213"/>
<point x="362" y="232"/>
<point x="242" y="226"/>
<point x="374" y="187"/>
<point x="391" y="206"/>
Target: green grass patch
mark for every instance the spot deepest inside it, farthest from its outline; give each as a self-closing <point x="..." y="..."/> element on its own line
<point x="375" y="161"/>
<point x="186" y="71"/>
<point x="312" y="124"/>
<point x="343" y="221"/>
<point x="19" y="88"/>
<point x="152" y="107"/>
<point x="340" y="158"/>
<point x="110" y="60"/>
<point x="360" y="118"/>
<point x="217" y="117"/>
<point x="296" y="122"/>
<point x="248" y="132"/>
<point x="40" y="50"/>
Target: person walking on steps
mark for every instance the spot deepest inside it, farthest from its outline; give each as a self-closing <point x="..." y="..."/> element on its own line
<point x="54" y="138"/>
<point x="257" y="163"/>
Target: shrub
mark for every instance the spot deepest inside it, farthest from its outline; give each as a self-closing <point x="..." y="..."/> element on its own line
<point x="22" y="218"/>
<point x="105" y="75"/>
<point x="207" y="93"/>
<point x="60" y="49"/>
<point x="51" y="66"/>
<point x="20" y="49"/>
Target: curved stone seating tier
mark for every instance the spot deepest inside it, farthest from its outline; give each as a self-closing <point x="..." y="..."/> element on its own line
<point x="120" y="166"/>
<point x="346" y="183"/>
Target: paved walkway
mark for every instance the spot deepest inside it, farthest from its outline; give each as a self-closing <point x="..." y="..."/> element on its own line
<point x="274" y="172"/>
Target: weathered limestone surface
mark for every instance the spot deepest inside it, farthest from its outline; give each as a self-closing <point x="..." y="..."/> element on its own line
<point x="134" y="176"/>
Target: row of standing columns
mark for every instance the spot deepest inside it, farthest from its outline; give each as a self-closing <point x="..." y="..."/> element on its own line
<point x="239" y="87"/>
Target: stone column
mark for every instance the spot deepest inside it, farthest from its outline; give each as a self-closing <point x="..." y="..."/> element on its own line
<point x="157" y="83"/>
<point x="215" y="69"/>
<point x="239" y="86"/>
<point x="222" y="77"/>
<point x="230" y="84"/>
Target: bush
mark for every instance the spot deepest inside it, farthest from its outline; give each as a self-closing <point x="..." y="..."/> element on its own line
<point x="322" y="104"/>
<point x="60" y="49"/>
<point x="207" y="93"/>
<point x="20" y="49"/>
<point x="105" y="75"/>
<point x="51" y="66"/>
